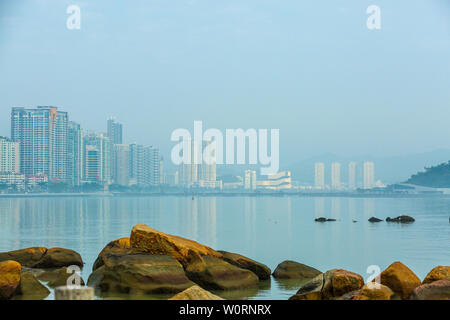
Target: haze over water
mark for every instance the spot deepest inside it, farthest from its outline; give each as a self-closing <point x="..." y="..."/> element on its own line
<point x="267" y="229"/>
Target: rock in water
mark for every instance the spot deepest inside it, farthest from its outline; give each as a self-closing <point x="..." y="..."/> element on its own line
<point x="437" y="290"/>
<point x="30" y="288"/>
<point x="294" y="270"/>
<point x="373" y="291"/>
<point x="26" y="257"/>
<point x="215" y="274"/>
<point x="9" y="278"/>
<point x="120" y="246"/>
<point x="437" y="273"/>
<point x="374" y="219"/>
<point x="139" y="273"/>
<point x="195" y="293"/>
<point x="148" y="240"/>
<point x="401" y="219"/>
<point x="262" y="271"/>
<point x="59" y="257"/>
<point x="321" y="219"/>
<point x="59" y="277"/>
<point x="400" y="279"/>
<point x="329" y="285"/>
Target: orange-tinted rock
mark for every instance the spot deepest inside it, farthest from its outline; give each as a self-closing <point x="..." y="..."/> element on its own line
<point x="9" y="278"/>
<point x="195" y="293"/>
<point x="148" y="240"/>
<point x="437" y="290"/>
<point x="30" y="288"/>
<point x="26" y="257"/>
<point x="437" y="273"/>
<point x="338" y="282"/>
<point x="120" y="246"/>
<point x="312" y="290"/>
<point x="374" y="291"/>
<point x="400" y="279"/>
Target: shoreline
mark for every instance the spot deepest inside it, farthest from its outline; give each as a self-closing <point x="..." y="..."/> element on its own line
<point x="221" y="194"/>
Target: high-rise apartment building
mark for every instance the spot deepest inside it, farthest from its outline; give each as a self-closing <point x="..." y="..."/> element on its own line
<point x="122" y="164"/>
<point x="369" y="175"/>
<point x="97" y="158"/>
<point x="336" y="175"/>
<point x="74" y="154"/>
<point x="188" y="174"/>
<point x="352" y="175"/>
<point x="319" y="175"/>
<point x="153" y="166"/>
<point x="42" y="134"/>
<point x="207" y="169"/>
<point x="9" y="156"/>
<point x="136" y="164"/>
<point x="114" y="131"/>
<point x="250" y="180"/>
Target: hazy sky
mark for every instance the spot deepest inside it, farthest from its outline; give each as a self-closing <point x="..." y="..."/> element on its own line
<point x="310" y="68"/>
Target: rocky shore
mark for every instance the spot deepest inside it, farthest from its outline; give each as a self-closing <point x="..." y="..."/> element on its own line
<point x="152" y="262"/>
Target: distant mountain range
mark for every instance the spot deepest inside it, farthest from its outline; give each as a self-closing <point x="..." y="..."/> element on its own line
<point x="388" y="170"/>
<point x="435" y="177"/>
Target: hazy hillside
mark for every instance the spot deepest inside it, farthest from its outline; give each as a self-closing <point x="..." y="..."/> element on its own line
<point x="437" y="177"/>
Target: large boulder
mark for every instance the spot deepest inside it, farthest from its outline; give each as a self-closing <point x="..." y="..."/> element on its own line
<point x="30" y="288"/>
<point x="59" y="257"/>
<point x="139" y="273"/>
<point x="437" y="290"/>
<point x="437" y="273"/>
<point x="120" y="246"/>
<point x="9" y="278"/>
<point x="330" y="285"/>
<point x="294" y="270"/>
<point x="261" y="270"/>
<point x="26" y="257"/>
<point x="400" y="279"/>
<point x="195" y="293"/>
<point x="374" y="291"/>
<point x="216" y="274"/>
<point x="148" y="240"/>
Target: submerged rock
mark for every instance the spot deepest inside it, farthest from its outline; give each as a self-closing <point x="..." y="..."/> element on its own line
<point x="294" y="270"/>
<point x="321" y="219"/>
<point x="401" y="219"/>
<point x="312" y="290"/>
<point x="148" y="240"/>
<point x="437" y="290"/>
<point x="400" y="279"/>
<point x="374" y="219"/>
<point x="215" y="274"/>
<point x="57" y="277"/>
<point x="437" y="273"/>
<point x="30" y="288"/>
<point x="195" y="293"/>
<point x="139" y="273"/>
<point x="26" y="257"/>
<point x="261" y="270"/>
<point x="9" y="278"/>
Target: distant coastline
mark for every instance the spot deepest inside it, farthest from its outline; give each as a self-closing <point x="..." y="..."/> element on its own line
<point x="223" y="194"/>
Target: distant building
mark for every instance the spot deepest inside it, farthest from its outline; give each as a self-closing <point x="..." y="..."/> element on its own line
<point x="97" y="158"/>
<point x="279" y="181"/>
<point x="74" y="154"/>
<point x="114" y="132"/>
<point x="122" y="164"/>
<point x="188" y="173"/>
<point x="207" y="169"/>
<point x="336" y="176"/>
<point x="369" y="175"/>
<point x="352" y="175"/>
<point x="153" y="166"/>
<point x="250" y="182"/>
<point x="9" y="156"/>
<point x="319" y="175"/>
<point x="42" y="134"/>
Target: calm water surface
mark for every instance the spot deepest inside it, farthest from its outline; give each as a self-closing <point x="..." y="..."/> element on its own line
<point x="267" y="229"/>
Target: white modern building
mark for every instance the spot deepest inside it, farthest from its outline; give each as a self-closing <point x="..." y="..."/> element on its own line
<point x="250" y="181"/>
<point x="369" y="175"/>
<point x="336" y="176"/>
<point x="9" y="156"/>
<point x="319" y="175"/>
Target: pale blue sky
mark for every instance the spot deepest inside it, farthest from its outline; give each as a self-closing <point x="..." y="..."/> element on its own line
<point x="310" y="68"/>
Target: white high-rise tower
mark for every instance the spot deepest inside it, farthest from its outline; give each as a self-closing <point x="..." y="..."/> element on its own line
<point x="369" y="175"/>
<point x="319" y="175"/>
<point x="335" y="175"/>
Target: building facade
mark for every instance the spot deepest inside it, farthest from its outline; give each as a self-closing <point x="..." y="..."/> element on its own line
<point x="9" y="156"/>
<point x="319" y="175"/>
<point x="336" y="176"/>
<point x="369" y="175"/>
